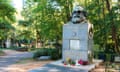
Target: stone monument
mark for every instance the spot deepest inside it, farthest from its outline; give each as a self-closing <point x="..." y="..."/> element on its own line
<point x="77" y="36"/>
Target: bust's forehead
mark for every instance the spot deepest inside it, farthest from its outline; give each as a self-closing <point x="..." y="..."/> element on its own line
<point x="78" y="8"/>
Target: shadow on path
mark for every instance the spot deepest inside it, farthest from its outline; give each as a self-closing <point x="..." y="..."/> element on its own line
<point x="54" y="68"/>
<point x="11" y="58"/>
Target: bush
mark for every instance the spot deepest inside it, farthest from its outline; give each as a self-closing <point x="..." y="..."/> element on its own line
<point x="32" y="49"/>
<point x="56" y="54"/>
<point x="41" y="52"/>
<point x="21" y="49"/>
<point x="105" y="56"/>
<point x="52" y="52"/>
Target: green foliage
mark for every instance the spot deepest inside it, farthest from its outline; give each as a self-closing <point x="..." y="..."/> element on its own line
<point x="106" y="20"/>
<point x="21" y="49"/>
<point x="24" y="23"/>
<point x="46" y="18"/>
<point x="41" y="52"/>
<point x="7" y="17"/>
<point x="105" y="56"/>
<point x="7" y="26"/>
<point x="55" y="54"/>
<point x="7" y="11"/>
<point x="52" y="52"/>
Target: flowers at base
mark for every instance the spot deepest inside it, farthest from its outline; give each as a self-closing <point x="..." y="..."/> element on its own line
<point x="81" y="62"/>
<point x="69" y="61"/>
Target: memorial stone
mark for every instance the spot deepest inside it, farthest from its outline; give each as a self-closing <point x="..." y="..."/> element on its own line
<point x="77" y="37"/>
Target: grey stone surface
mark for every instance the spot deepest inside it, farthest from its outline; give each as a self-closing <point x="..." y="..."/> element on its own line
<point x="13" y="57"/>
<point x="117" y="58"/>
<point x="76" y="54"/>
<point x="81" y="31"/>
<point x="76" y="32"/>
<point x="44" y="58"/>
<point x="55" y="68"/>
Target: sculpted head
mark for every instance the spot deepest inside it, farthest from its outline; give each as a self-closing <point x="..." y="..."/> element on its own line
<point x="78" y="15"/>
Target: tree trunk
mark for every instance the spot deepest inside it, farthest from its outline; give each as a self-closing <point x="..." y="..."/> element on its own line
<point x="113" y="28"/>
<point x="19" y="43"/>
<point x="36" y="39"/>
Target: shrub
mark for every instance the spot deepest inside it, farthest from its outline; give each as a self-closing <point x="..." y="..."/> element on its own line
<point x="41" y="52"/>
<point x="21" y="49"/>
<point x="52" y="52"/>
<point x="55" y="54"/>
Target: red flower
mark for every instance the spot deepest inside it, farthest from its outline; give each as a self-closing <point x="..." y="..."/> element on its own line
<point x="65" y="64"/>
<point x="80" y="62"/>
<point x="85" y="62"/>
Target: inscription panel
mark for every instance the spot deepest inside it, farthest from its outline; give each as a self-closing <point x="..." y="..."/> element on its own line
<point x="75" y="44"/>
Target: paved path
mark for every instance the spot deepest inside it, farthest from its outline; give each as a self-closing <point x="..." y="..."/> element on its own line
<point x="54" y="68"/>
<point x="11" y="58"/>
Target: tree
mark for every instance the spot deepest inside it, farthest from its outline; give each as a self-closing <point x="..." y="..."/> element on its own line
<point x="105" y="18"/>
<point x="7" y="17"/>
<point x="47" y="17"/>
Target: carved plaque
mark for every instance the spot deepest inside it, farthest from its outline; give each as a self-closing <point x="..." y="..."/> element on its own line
<point x="75" y="44"/>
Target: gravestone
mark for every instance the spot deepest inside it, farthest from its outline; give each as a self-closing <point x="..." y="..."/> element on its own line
<point x="117" y="58"/>
<point x="8" y="43"/>
<point x="77" y="37"/>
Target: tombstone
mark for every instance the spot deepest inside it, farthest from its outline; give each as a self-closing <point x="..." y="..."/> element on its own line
<point x="117" y="58"/>
<point x="77" y="37"/>
<point x="8" y="43"/>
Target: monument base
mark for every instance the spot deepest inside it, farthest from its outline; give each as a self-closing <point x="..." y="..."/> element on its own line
<point x="86" y="68"/>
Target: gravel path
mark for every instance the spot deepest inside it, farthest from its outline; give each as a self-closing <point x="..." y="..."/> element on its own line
<point x="12" y="57"/>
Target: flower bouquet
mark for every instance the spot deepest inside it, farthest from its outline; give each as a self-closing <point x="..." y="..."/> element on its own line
<point x="69" y="61"/>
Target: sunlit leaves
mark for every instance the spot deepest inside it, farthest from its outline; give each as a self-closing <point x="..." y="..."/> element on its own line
<point x="104" y="19"/>
<point x="48" y="16"/>
<point x="7" y="17"/>
<point x="7" y="11"/>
